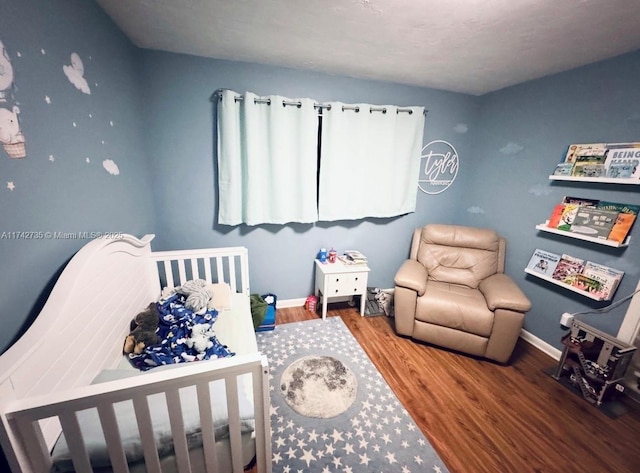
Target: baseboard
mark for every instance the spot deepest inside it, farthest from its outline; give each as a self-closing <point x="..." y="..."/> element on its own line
<point x="541" y="345"/>
<point x="287" y="303"/>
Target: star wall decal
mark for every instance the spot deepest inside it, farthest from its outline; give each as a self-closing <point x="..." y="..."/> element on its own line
<point x="47" y="99"/>
<point x="10" y="185"/>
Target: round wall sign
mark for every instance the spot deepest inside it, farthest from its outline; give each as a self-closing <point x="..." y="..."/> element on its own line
<point x="438" y="167"/>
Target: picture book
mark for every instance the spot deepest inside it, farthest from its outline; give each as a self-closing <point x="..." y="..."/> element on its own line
<point x="585" y="283"/>
<point x="563" y="169"/>
<point x="623" y="168"/>
<point x="608" y="278"/>
<point x="618" y="207"/>
<point x="556" y="214"/>
<point x="623" y="160"/>
<point x="568" y="216"/>
<point x="579" y="200"/>
<point x="585" y="166"/>
<point x="594" y="222"/>
<point x="588" y="169"/>
<point x="625" y="219"/>
<point x="593" y="149"/>
<point x="566" y="267"/>
<point x="621" y="228"/>
<point x="543" y="262"/>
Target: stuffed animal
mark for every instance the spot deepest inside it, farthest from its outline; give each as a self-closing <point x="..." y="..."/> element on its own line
<point x="143" y="331"/>
<point x="201" y="295"/>
<point x="197" y="295"/>
<point x="385" y="302"/>
<point x="200" y="339"/>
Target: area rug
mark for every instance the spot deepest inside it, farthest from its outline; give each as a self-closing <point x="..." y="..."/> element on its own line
<point x="331" y="410"/>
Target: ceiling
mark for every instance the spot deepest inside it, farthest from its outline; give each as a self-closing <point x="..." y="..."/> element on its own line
<point x="469" y="46"/>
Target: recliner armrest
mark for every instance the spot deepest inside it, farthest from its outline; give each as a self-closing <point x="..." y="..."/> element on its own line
<point x="412" y="275"/>
<point x="501" y="292"/>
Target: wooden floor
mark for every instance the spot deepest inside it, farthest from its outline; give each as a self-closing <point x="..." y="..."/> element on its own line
<point x="484" y="417"/>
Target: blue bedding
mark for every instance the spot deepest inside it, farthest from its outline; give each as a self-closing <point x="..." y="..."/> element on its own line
<point x="176" y="324"/>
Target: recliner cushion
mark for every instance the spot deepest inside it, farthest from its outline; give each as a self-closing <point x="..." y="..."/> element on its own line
<point x="459" y="255"/>
<point x="456" y="307"/>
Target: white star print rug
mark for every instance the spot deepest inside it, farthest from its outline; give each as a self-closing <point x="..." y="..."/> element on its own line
<point x="361" y="427"/>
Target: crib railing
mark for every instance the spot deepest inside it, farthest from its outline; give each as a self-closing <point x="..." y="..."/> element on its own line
<point x="24" y="416"/>
<point x="228" y="265"/>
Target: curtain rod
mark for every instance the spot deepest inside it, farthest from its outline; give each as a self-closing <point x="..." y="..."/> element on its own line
<point x="320" y="106"/>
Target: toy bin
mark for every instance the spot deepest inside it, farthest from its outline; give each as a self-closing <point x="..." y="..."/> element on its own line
<point x="269" y="322"/>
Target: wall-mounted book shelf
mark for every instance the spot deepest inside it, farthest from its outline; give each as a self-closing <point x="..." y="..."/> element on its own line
<point x="564" y="285"/>
<point x="604" y="180"/>
<point x="544" y="228"/>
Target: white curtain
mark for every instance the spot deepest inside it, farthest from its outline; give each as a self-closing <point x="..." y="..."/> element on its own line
<point x="267" y="159"/>
<point x="370" y="160"/>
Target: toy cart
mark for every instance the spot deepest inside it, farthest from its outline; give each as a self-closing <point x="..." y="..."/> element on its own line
<point x="593" y="361"/>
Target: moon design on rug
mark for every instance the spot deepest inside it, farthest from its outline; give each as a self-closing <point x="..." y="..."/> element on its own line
<point x="318" y="386"/>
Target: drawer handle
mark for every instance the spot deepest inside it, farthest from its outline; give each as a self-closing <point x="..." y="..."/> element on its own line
<point x="336" y="290"/>
<point x="356" y="278"/>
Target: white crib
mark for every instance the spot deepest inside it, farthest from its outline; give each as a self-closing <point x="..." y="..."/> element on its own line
<point x="46" y="376"/>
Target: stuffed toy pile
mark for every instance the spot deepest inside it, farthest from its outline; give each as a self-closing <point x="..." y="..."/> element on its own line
<point x="179" y="326"/>
<point x="143" y="331"/>
<point x="201" y="295"/>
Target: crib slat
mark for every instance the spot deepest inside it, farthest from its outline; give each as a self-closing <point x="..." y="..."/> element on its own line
<point x="207" y="269"/>
<point x="168" y="272"/>
<point x="145" y="426"/>
<point x="73" y="436"/>
<point x="195" y="272"/>
<point x="232" y="273"/>
<point x="182" y="272"/>
<point x="112" y="436"/>
<point x="178" y="433"/>
<point x="206" y="425"/>
<point x="233" y="411"/>
<point x="262" y="416"/>
<point x="219" y="269"/>
<point x="34" y="443"/>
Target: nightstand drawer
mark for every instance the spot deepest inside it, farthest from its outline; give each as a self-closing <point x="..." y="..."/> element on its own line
<point x="346" y="284"/>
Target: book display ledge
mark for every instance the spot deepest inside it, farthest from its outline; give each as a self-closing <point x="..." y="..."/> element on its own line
<point x="543" y="227"/>
<point x="582" y="292"/>
<point x="604" y="180"/>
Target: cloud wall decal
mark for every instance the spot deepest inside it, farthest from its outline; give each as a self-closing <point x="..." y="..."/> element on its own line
<point x="511" y="149"/>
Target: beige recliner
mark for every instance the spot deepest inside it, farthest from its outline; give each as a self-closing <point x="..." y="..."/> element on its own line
<point x="452" y="292"/>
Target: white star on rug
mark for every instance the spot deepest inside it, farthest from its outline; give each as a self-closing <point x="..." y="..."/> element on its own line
<point x="308" y="457"/>
<point x="375" y="431"/>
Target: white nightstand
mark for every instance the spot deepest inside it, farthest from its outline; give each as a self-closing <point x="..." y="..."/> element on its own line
<point x="339" y="280"/>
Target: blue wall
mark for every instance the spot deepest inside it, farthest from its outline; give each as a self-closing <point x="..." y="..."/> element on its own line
<point x="180" y="128"/>
<point x="522" y="133"/>
<point x="150" y="112"/>
<point x="56" y="189"/>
